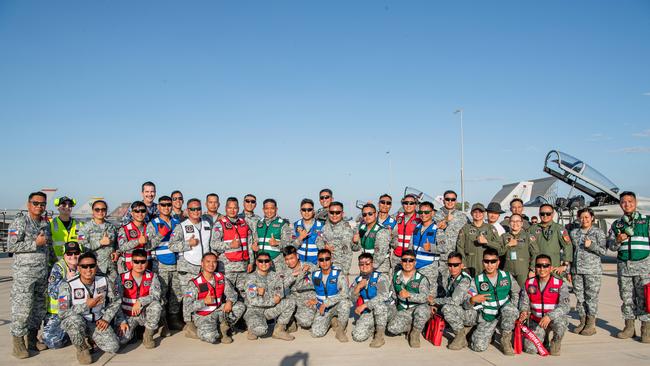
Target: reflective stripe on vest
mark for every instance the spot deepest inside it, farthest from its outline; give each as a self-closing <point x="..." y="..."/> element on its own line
<point x="637" y="247"/>
<point x="405" y="231"/>
<point x="413" y="286"/>
<point x="79" y="294"/>
<point x="422" y="257"/>
<point x="204" y="288"/>
<point x="264" y="234"/>
<point x="239" y="230"/>
<point x="308" y="251"/>
<point x="368" y="238"/>
<point x="543" y="301"/>
<point x="60" y="235"/>
<point x="53" y="302"/>
<point x="389" y="222"/>
<point x="132" y="292"/>
<point x="324" y="291"/>
<point x="500" y="295"/>
<point x="195" y="254"/>
<point x="162" y="252"/>
<point x="133" y="233"/>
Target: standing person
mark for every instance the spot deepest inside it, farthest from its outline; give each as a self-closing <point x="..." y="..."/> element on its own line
<point x="230" y="239"/>
<point x="449" y="221"/>
<point x="411" y="291"/>
<point x="474" y="238"/>
<point x="213" y="302"/>
<point x="629" y="237"/>
<point x="265" y="301"/>
<point x="371" y="237"/>
<point x="517" y="207"/>
<point x="370" y="293"/>
<point x="534" y="220"/>
<point x="520" y="250"/>
<point x="212" y="205"/>
<point x="148" y="197"/>
<point x="132" y="236"/>
<point x="273" y="233"/>
<point x="589" y="244"/>
<point x="498" y="293"/>
<point x="546" y="300"/>
<point x="87" y="306"/>
<point x="330" y="285"/>
<point x="326" y="197"/>
<point x="384" y="217"/>
<point x="63" y="227"/>
<point x="62" y="271"/>
<point x="99" y="236"/>
<point x="337" y="238"/>
<point x="403" y="230"/>
<point x="160" y="232"/>
<point x="426" y="246"/>
<point x="28" y="238"/>
<point x="494" y="211"/>
<point x="553" y="240"/>
<point x="306" y="231"/>
<point x="299" y="288"/>
<point x="140" y="292"/>
<point x="191" y="240"/>
<point x="177" y="206"/>
<point x="250" y="202"/>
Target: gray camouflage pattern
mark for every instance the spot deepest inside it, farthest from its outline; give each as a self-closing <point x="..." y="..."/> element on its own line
<point x="339" y="237"/>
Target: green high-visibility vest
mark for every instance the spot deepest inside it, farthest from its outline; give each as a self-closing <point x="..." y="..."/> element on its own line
<point x="60" y="235"/>
<point x="53" y="302"/>
<point x="412" y="286"/>
<point x="264" y="233"/>
<point x="452" y="284"/>
<point x="499" y="295"/>
<point x="637" y="246"/>
<point x="368" y="238"/>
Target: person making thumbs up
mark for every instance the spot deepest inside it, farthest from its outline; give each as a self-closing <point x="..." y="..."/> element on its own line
<point x="273" y="234"/>
<point x="99" y="236"/>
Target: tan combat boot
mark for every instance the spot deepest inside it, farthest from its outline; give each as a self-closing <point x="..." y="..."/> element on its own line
<point x="378" y="339"/>
<point x="20" y="351"/>
<point x="556" y="345"/>
<point x="223" y="329"/>
<point x="190" y="331"/>
<point x="580" y="326"/>
<point x="460" y="341"/>
<point x="628" y="331"/>
<point x="33" y="343"/>
<point x="414" y="339"/>
<point x="590" y="326"/>
<point x="147" y="339"/>
<point x="280" y="333"/>
<point x="340" y="331"/>
<point x="293" y="327"/>
<point x="250" y="336"/>
<point x="83" y="354"/>
<point x="506" y="343"/>
<point x="645" y="331"/>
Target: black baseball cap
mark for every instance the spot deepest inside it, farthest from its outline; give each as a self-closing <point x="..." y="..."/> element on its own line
<point x="72" y="246"/>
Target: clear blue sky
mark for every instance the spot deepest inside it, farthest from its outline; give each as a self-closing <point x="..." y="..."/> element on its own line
<point x="282" y="98"/>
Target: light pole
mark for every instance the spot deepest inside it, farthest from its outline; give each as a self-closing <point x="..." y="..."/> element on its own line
<point x="390" y="173"/>
<point x="462" y="178"/>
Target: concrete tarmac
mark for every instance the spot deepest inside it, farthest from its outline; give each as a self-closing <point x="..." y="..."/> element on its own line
<point x="600" y="349"/>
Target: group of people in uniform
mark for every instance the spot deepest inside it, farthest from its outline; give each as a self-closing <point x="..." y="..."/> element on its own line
<point x="176" y="265"/>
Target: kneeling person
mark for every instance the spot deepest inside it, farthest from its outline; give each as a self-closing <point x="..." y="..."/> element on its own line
<point x="140" y="290"/>
<point x="545" y="299"/>
<point x="411" y="289"/>
<point x="213" y="302"/>
<point x="371" y="294"/>
<point x="298" y="287"/>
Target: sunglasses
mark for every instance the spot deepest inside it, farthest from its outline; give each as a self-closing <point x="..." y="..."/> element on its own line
<point x="194" y="209"/>
<point x="366" y="214"/>
<point x="72" y="253"/>
<point x="140" y="261"/>
<point x="454" y="265"/>
<point x="365" y="264"/>
<point x="334" y="213"/>
<point x="386" y="202"/>
<point x="264" y="261"/>
<point x="306" y="209"/>
<point x="250" y="201"/>
<point x="545" y="213"/>
<point x="408" y="203"/>
<point x="165" y="204"/>
<point x="99" y="209"/>
<point x="490" y="261"/>
<point x="450" y="199"/>
<point x="424" y="212"/>
<point x="177" y="198"/>
<point x="38" y="203"/>
<point x="325" y="259"/>
<point x="140" y="211"/>
<point x="408" y="260"/>
<point x="88" y="266"/>
<point x="542" y="265"/>
<point x="325" y="197"/>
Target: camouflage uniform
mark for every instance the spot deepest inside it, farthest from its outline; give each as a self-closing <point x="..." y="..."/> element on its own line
<point x="559" y="317"/>
<point x="152" y="212"/>
<point x="251" y="219"/>
<point x="321" y="214"/>
<point x="377" y="313"/>
<point x="171" y="293"/>
<point x="380" y="255"/>
<point x="553" y="240"/>
<point x="417" y="315"/>
<point x="151" y="308"/>
<point x="586" y="269"/>
<point x="235" y="272"/>
<point x="30" y="270"/>
<point x="508" y="314"/>
<point x="127" y="246"/>
<point x="448" y="237"/>
<point x="519" y="260"/>
<point x="335" y="305"/>
<point x="90" y="235"/>
<point x="53" y="335"/>
<point x="339" y="237"/>
<point x="300" y="289"/>
<point x="259" y="309"/>
<point x="207" y="326"/>
<point x="285" y="239"/>
<point x="506" y="223"/>
<point x="467" y="244"/>
<point x="78" y="328"/>
<point x="454" y="306"/>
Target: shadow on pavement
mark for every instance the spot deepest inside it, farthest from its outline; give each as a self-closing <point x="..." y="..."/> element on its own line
<point x="296" y="359"/>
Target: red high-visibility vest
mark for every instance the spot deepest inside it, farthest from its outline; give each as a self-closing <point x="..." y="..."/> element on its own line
<point x="239" y="230"/>
<point x="133" y="233"/>
<point x="542" y="302"/>
<point x="132" y="292"/>
<point x="405" y="231"/>
<point x="206" y="288"/>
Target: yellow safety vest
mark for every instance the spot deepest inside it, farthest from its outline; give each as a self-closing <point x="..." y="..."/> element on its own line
<point x="60" y="235"/>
